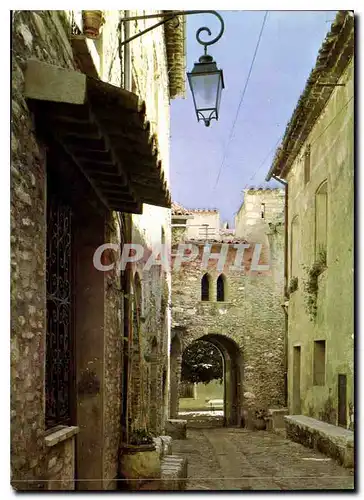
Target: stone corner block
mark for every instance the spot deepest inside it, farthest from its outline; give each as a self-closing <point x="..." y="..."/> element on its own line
<point x="167" y="445"/>
<point x="276" y="418"/>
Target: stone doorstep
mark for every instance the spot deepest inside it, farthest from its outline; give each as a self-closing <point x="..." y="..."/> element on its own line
<point x="176" y="428"/>
<point x="334" y="441"/>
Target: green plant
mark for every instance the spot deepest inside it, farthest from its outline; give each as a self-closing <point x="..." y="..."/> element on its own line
<point x="293" y="285"/>
<point x="141" y="436"/>
<point x="261" y="413"/>
<point x="311" y="284"/>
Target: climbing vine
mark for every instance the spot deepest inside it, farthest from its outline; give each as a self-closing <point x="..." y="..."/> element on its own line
<point x="310" y="285"/>
<point x="293" y="285"/>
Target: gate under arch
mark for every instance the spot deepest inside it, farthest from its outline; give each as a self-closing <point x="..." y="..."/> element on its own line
<point x="233" y="374"/>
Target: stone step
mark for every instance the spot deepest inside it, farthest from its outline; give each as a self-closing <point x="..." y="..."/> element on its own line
<point x="174" y="473"/>
<point x="334" y="441"/>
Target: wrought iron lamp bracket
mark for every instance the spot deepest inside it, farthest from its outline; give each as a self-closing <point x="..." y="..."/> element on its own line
<point x="172" y="15"/>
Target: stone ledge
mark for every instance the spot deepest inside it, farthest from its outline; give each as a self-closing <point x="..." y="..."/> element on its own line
<point x="334" y="441"/>
<point x="60" y="434"/>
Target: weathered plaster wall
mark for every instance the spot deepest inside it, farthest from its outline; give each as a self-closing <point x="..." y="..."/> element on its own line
<point x="249" y="217"/>
<point x="196" y="229"/>
<point x="332" y="158"/>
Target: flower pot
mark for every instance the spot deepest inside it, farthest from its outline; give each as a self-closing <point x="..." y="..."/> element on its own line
<point x="139" y="464"/>
<point x="92" y="23"/>
<point x="260" y="424"/>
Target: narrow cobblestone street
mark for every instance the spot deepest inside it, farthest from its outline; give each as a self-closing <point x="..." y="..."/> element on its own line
<point x="238" y="459"/>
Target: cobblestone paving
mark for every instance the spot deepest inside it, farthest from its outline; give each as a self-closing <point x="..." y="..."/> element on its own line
<point x="238" y="459"/>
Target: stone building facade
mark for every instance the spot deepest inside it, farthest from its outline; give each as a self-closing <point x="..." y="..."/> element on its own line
<point x="246" y="322"/>
<point x="90" y="148"/>
<point x="316" y="159"/>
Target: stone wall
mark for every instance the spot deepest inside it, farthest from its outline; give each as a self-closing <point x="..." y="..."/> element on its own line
<point x="331" y="144"/>
<point x="150" y="81"/>
<point x="45" y="35"/>
<point x="256" y="201"/>
<point x="251" y="314"/>
<point x="33" y="37"/>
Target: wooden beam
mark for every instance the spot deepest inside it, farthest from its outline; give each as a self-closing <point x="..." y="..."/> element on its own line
<point x="46" y="82"/>
<point x="86" y="54"/>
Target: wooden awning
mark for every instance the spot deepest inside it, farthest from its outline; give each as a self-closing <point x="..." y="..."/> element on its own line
<point x="105" y="131"/>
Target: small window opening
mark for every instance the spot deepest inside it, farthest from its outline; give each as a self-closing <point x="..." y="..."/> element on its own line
<point x="319" y="355"/>
<point x="205" y="288"/>
<point x="262" y="210"/>
<point x="220" y="289"/>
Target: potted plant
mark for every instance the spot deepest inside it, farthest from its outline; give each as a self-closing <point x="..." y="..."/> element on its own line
<point x="92" y="23"/>
<point x="260" y="419"/>
<point x="139" y="460"/>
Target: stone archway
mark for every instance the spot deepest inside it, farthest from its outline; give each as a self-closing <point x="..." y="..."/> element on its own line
<point x="233" y="374"/>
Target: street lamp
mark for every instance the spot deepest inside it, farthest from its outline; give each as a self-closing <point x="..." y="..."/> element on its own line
<point x="206" y="80"/>
<point x="206" y="83"/>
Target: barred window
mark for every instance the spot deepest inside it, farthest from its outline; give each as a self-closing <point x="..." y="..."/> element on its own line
<point x="59" y="334"/>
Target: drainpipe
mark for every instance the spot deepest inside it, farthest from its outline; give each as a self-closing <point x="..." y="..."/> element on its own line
<point x="285" y="184"/>
<point x="125" y="278"/>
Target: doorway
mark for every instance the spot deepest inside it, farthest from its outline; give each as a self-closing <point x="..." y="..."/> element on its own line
<point x="231" y="401"/>
<point x="296" y="403"/>
<point x="342" y="418"/>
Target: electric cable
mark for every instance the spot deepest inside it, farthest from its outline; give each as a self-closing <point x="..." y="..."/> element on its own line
<point x="265" y="159"/>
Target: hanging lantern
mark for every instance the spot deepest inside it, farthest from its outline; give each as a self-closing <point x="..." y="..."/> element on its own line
<point x="206" y="83"/>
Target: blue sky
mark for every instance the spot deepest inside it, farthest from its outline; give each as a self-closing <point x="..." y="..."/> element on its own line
<point x="286" y="55"/>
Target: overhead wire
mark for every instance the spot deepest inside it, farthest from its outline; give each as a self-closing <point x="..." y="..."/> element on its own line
<point x="265" y="159"/>
<point x="241" y="98"/>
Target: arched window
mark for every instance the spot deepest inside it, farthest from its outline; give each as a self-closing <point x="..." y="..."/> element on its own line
<point x="220" y="288"/>
<point x="321" y="221"/>
<point x="205" y="287"/>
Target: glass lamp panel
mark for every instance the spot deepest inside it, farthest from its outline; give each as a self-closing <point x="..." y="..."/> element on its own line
<point x="218" y="95"/>
<point x="204" y="88"/>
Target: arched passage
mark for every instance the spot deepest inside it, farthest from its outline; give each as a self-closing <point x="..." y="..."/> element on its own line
<point x="233" y="374"/>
